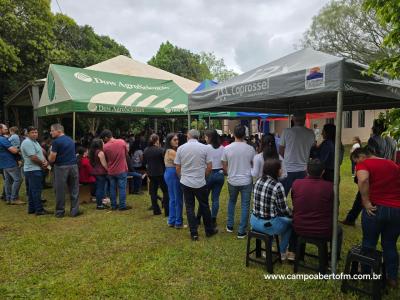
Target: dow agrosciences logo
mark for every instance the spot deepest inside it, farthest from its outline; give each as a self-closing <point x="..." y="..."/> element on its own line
<point x="92" y="107"/>
<point x="83" y="77"/>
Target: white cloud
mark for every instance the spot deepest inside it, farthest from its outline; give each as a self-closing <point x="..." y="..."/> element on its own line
<point x="245" y="33"/>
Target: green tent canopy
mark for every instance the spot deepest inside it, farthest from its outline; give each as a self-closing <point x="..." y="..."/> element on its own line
<point x="70" y="89"/>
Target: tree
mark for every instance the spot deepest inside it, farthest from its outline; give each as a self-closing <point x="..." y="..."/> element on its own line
<point x="388" y="14"/>
<point x="217" y="67"/>
<point x="343" y="28"/>
<point x="180" y="61"/>
<point x="80" y="46"/>
<point x="31" y="38"/>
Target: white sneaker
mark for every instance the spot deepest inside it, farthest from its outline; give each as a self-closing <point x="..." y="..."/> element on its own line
<point x="290" y="256"/>
<point x="283" y="256"/>
<point x="229" y="229"/>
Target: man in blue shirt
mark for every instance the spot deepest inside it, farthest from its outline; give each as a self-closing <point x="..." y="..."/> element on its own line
<point x="11" y="170"/>
<point x="34" y="163"/>
<point x="66" y="173"/>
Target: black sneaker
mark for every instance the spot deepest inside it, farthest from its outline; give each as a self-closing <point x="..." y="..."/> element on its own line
<point x="211" y="233"/>
<point x="44" y="212"/>
<point x="79" y="213"/>
<point x="241" y="235"/>
<point x="101" y="207"/>
<point x="125" y="208"/>
<point x="156" y="213"/>
<point x="59" y="216"/>
<point x="195" y="238"/>
<point x="229" y="229"/>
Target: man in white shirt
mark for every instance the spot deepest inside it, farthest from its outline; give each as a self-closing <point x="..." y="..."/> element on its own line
<point x="193" y="164"/>
<point x="237" y="162"/>
<point x="295" y="147"/>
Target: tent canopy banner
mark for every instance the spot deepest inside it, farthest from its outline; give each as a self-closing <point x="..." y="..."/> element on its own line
<point x="70" y="89"/>
<point x="306" y="80"/>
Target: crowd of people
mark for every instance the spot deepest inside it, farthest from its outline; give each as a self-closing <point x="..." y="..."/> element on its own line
<point x="189" y="167"/>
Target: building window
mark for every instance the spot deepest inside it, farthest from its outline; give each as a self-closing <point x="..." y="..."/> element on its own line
<point x="361" y="118"/>
<point x="330" y="121"/>
<point x="347" y="119"/>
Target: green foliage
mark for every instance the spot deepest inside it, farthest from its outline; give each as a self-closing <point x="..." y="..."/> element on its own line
<point x="388" y="13"/>
<point x="343" y="28"/>
<point x="217" y="67"/>
<point x="198" y="124"/>
<point x="392" y="121"/>
<point x="180" y="61"/>
<point x="32" y="37"/>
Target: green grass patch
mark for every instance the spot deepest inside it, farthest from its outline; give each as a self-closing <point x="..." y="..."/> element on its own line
<point x="133" y="254"/>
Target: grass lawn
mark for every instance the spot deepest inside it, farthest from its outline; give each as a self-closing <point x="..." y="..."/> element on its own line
<point x="133" y="254"/>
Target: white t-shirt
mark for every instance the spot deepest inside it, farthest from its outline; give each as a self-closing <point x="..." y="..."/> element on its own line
<point x="258" y="164"/>
<point x="239" y="156"/>
<point x="216" y="156"/>
<point x="297" y="141"/>
<point x="355" y="146"/>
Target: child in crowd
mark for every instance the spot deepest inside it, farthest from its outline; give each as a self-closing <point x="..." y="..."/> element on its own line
<point x="85" y="172"/>
<point x="356" y="145"/>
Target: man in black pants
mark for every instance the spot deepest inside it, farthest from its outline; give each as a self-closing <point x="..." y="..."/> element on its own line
<point x="384" y="147"/>
<point x="193" y="164"/>
<point x="153" y="158"/>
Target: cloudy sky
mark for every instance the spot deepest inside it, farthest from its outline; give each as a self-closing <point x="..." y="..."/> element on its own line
<point x="246" y="33"/>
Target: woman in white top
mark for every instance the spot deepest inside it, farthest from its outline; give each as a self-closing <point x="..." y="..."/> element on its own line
<point x="268" y="150"/>
<point x="215" y="181"/>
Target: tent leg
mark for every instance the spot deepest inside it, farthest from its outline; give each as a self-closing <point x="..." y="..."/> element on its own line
<point x="209" y="120"/>
<point x="189" y="121"/>
<point x="155" y="125"/>
<point x="339" y="112"/>
<point x="73" y="125"/>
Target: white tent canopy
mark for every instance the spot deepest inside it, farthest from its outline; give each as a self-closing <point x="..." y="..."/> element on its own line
<point x="127" y="66"/>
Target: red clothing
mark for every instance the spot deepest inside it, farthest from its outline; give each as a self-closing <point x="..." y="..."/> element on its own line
<point x="312" y="200"/>
<point x="116" y="151"/>
<point x="98" y="168"/>
<point x="85" y="171"/>
<point x="384" y="181"/>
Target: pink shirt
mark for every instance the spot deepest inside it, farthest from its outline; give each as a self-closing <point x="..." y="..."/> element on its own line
<point x="115" y="151"/>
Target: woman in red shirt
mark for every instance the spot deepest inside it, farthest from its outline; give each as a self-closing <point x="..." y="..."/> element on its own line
<point x="379" y="184"/>
<point x="85" y="171"/>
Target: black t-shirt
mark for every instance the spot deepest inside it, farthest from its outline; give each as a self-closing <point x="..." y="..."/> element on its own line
<point x="153" y="157"/>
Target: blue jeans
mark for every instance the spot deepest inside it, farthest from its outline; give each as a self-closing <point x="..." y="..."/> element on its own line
<point x="279" y="225"/>
<point x="287" y="182"/>
<point x="386" y="223"/>
<point x="100" y="189"/>
<point x="34" y="191"/>
<point x="118" y="181"/>
<point x="12" y="182"/>
<point x="136" y="181"/>
<point x="175" y="197"/>
<point x="245" y="191"/>
<point x="215" y="182"/>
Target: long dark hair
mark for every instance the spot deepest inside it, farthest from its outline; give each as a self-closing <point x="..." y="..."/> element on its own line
<point x="97" y="144"/>
<point x="168" y="141"/>
<point x="330" y="132"/>
<point x="213" y="138"/>
<point x="271" y="168"/>
<point x="268" y="147"/>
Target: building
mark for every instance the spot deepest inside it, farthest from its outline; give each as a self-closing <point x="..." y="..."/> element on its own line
<point x="355" y="123"/>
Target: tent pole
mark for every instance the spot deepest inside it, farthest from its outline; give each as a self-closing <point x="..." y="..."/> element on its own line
<point x="338" y="142"/>
<point x="73" y="125"/>
<point x="189" y="121"/>
<point x="155" y="125"/>
<point x="209" y="120"/>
